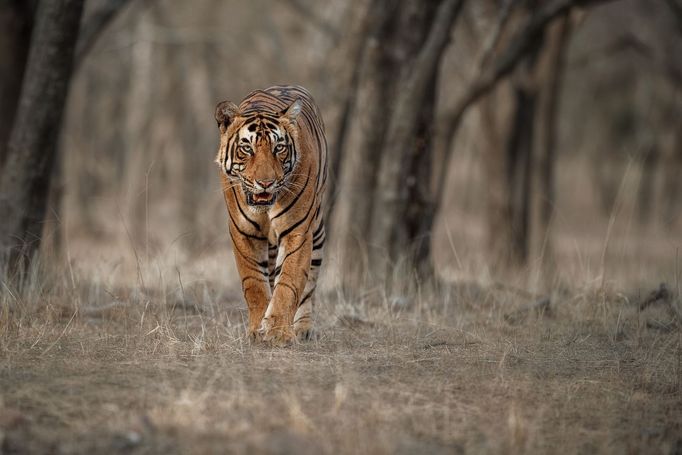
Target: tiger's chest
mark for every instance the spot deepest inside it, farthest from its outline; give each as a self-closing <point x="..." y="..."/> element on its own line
<point x="262" y="224"/>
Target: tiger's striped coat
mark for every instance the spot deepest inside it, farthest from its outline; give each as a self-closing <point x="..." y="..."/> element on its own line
<point x="273" y="160"/>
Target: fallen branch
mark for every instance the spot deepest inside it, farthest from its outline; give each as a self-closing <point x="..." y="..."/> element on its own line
<point x="662" y="294"/>
<point x="540" y="307"/>
<point x="103" y="310"/>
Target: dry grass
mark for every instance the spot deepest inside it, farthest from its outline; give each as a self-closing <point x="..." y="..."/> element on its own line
<point x="118" y="351"/>
<point x="89" y="366"/>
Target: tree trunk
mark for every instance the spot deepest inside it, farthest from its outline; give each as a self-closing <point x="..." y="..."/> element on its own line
<point x="16" y="23"/>
<point x="91" y="28"/>
<point x="509" y="164"/>
<point x="519" y="159"/>
<point x="419" y="212"/>
<point x="375" y="210"/>
<point x="672" y="184"/>
<point x="345" y="84"/>
<point x="33" y="142"/>
<point x="351" y="216"/>
<point x="395" y="193"/>
<point x="646" y="189"/>
<point x="551" y="72"/>
<point x="138" y="161"/>
<point x="495" y="112"/>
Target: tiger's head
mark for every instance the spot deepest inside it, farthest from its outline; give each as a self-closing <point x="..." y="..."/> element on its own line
<point x="258" y="149"/>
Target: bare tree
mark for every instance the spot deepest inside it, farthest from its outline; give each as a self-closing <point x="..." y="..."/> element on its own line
<point x="351" y="216"/>
<point x="403" y="207"/>
<point x="509" y="168"/>
<point x="551" y="71"/>
<point x="32" y="147"/>
<point x="405" y="39"/>
<point x="138" y="122"/>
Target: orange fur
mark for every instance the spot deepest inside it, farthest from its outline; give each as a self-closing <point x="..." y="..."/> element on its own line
<point x="273" y="159"/>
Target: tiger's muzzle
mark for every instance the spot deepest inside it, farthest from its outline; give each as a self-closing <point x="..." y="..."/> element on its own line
<point x="261" y="193"/>
<point x="262" y="199"/>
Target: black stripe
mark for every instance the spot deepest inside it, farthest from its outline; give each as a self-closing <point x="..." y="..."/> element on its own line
<point x="236" y="198"/>
<point x="293" y="289"/>
<point x="316" y="262"/>
<point x="250" y="262"/>
<point x="293" y="251"/>
<point x="251" y="278"/>
<point x="245" y="234"/>
<point x="318" y="231"/>
<point x="298" y="223"/>
<point x="295" y="198"/>
<point x="307" y="296"/>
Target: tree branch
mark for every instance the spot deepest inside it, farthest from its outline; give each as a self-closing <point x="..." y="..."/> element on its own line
<point x="502" y="66"/>
<point x="93" y="26"/>
<point x="323" y="25"/>
<point x="494" y="37"/>
<point x="676" y="7"/>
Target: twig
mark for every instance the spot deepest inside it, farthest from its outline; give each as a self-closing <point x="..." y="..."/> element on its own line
<point x="60" y="335"/>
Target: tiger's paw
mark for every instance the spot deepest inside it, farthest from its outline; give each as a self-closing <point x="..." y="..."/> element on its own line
<point x="305" y="332"/>
<point x="255" y="336"/>
<point x="276" y="334"/>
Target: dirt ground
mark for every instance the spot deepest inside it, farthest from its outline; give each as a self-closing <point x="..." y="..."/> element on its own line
<point x="466" y="370"/>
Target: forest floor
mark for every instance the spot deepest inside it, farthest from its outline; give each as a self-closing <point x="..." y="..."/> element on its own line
<point x="465" y="371"/>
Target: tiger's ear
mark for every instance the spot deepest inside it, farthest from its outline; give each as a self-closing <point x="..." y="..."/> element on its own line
<point x="225" y="112"/>
<point x="291" y="112"/>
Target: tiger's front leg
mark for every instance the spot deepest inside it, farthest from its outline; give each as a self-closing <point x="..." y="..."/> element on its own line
<point x="251" y="257"/>
<point x="294" y="264"/>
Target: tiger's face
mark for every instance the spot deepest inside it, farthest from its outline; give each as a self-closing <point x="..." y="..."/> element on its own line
<point x="258" y="150"/>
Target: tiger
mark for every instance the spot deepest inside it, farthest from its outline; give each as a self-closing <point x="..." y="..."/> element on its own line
<point x="273" y="167"/>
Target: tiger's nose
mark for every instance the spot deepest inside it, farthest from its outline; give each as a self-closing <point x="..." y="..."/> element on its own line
<point x="265" y="183"/>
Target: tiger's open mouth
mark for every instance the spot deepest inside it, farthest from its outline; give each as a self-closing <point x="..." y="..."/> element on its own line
<point x="263" y="198"/>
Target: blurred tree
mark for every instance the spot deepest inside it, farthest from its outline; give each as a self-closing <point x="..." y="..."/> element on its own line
<point x="25" y="178"/>
<point x="138" y="123"/>
<point x="97" y="16"/>
<point x="509" y="159"/>
<point x="387" y="197"/>
<point x="16" y="23"/>
<point x="387" y="152"/>
<point x="672" y="183"/>
<point x="402" y="216"/>
<point x="344" y="79"/>
<point x="550" y="78"/>
<point x="523" y="153"/>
